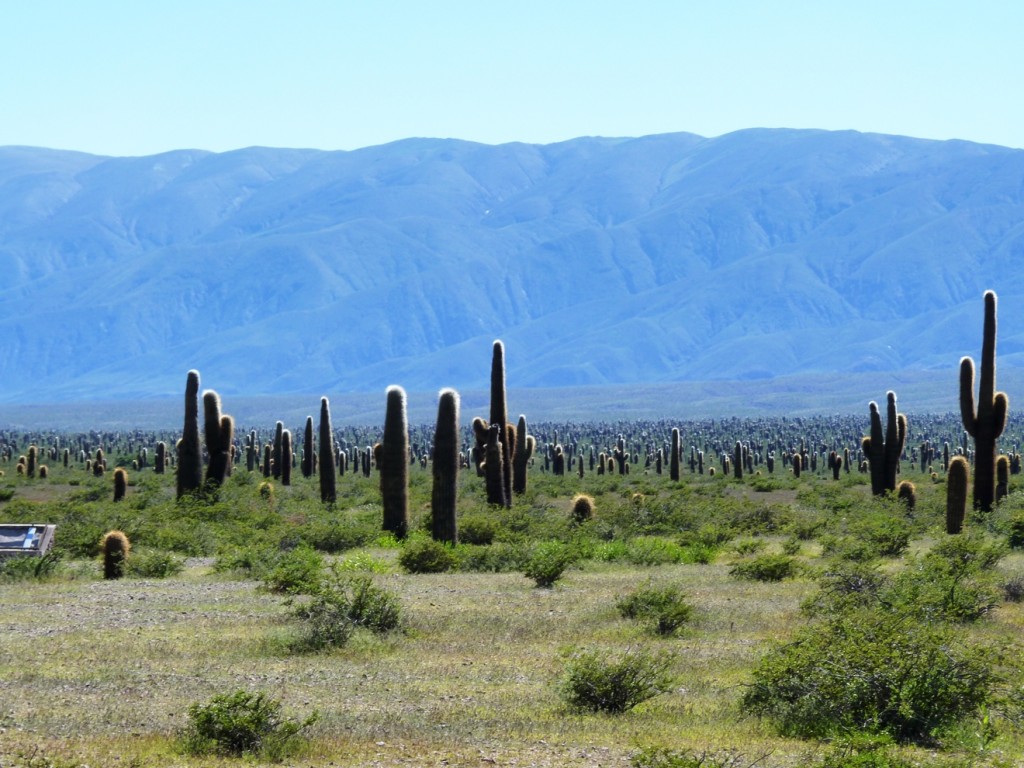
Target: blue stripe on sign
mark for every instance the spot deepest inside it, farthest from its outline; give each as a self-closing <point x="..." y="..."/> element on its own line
<point x="30" y="539"/>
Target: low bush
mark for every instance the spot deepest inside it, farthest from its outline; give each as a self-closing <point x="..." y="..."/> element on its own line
<point x="501" y="557"/>
<point x="422" y="554"/>
<point x="664" y="609"/>
<point x="766" y="568"/>
<point x="874" y="672"/>
<point x="476" y="529"/>
<point x="23" y="568"/>
<point x="241" y="723"/>
<point x="953" y="582"/>
<point x="153" y="564"/>
<point x="596" y="682"/>
<point x="295" y="571"/>
<point x="370" y="606"/>
<point x="326" y="623"/>
<point x="548" y="561"/>
<point x="688" y="758"/>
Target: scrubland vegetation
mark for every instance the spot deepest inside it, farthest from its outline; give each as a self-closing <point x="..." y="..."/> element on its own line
<point x="737" y="592"/>
<point x="767" y="617"/>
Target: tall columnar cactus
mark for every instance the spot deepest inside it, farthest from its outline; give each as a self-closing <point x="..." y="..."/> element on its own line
<point x="525" y="445"/>
<point x="499" y="416"/>
<point x="883" y="451"/>
<point x="307" y="449"/>
<point x="393" y="464"/>
<point x="673" y="464"/>
<point x="268" y="459"/>
<point x="328" y="481"/>
<point x="278" y="458"/>
<point x="251" y="451"/>
<point x="115" y="548"/>
<point x="190" y="457"/>
<point x="33" y="461"/>
<point x="120" y="483"/>
<point x="621" y="455"/>
<point x="492" y="465"/>
<point x="160" y="461"/>
<point x="443" y="496"/>
<point x="286" y="457"/>
<point x="99" y="464"/>
<point x="957" y="480"/>
<point x="985" y="422"/>
<point x="219" y="431"/>
<point x="737" y="460"/>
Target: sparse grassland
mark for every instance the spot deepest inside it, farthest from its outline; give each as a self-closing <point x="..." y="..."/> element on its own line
<point x="97" y="672"/>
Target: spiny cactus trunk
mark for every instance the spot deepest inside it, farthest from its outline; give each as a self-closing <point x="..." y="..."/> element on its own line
<point x="328" y="480"/>
<point x="120" y="483"/>
<point x="190" y="459"/>
<point x="286" y="457"/>
<point x="307" y="449"/>
<point x="219" y="430"/>
<point x="986" y="422"/>
<point x="673" y="463"/>
<point x="499" y="416"/>
<point x="493" y="463"/>
<point x="525" y="445"/>
<point x="278" y="462"/>
<point x="115" y="547"/>
<point x="443" y="496"/>
<point x="956" y="494"/>
<point x="883" y="451"/>
<point x="393" y="464"/>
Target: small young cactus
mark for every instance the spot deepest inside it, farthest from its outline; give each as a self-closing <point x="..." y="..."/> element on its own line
<point x="115" y="548"/>
<point x="120" y="483"/>
<point x="582" y="508"/>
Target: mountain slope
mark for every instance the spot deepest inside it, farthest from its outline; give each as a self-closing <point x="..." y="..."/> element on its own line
<point x="757" y="254"/>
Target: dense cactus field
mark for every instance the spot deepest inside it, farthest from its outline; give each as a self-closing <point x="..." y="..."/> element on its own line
<point x="828" y="591"/>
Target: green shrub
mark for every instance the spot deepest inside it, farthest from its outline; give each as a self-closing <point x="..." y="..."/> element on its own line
<point x="952" y="582"/>
<point x="1015" y="531"/>
<point x="651" y="550"/>
<point x="326" y="623"/>
<point x="668" y="758"/>
<point x="153" y="564"/>
<point x="19" y="568"/>
<point x="548" y="561"/>
<point x="847" y="586"/>
<point x="370" y="606"/>
<point x="501" y="557"/>
<point x="296" y="571"/>
<point x="476" y="529"/>
<point x="664" y="609"/>
<point x="241" y="723"/>
<point x="766" y="568"/>
<point x="791" y="546"/>
<point x="593" y="681"/>
<point x="869" y="671"/>
<point x="698" y="553"/>
<point x="422" y="554"/>
<point x="749" y="546"/>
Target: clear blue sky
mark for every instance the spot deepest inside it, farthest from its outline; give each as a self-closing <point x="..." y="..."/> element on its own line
<point x="133" y="77"/>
